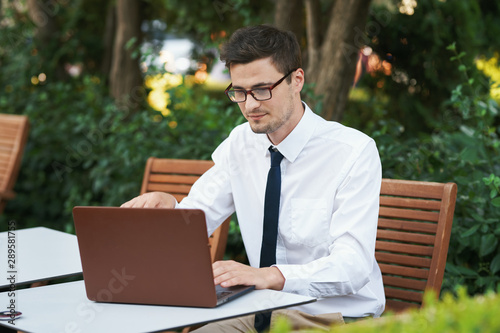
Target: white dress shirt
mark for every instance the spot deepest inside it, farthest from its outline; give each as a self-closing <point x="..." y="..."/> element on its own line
<point x="331" y="177"/>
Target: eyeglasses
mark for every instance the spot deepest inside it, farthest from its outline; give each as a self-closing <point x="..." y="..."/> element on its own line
<point x="259" y="94"/>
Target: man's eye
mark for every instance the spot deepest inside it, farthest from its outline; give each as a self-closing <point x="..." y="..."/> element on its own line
<point x="260" y="91"/>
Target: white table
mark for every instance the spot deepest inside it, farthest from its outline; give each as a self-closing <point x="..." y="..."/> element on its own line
<point x="40" y="254"/>
<point x="65" y="308"/>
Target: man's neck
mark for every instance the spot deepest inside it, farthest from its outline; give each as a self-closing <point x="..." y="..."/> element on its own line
<point x="298" y="113"/>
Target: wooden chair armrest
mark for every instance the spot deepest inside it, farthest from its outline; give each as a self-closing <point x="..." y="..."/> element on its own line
<point x="7" y="195"/>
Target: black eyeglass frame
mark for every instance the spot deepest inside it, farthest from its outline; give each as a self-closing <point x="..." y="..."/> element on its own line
<point x="251" y="90"/>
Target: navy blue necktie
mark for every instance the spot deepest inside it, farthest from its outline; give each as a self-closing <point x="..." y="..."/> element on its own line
<point x="270" y="231"/>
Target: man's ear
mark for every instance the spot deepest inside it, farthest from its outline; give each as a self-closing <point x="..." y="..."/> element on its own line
<point x="298" y="80"/>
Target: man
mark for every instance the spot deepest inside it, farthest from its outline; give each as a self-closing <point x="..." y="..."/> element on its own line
<point x="328" y="199"/>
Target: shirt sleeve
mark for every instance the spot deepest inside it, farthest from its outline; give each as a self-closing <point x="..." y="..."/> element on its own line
<point x="212" y="191"/>
<point x="353" y="227"/>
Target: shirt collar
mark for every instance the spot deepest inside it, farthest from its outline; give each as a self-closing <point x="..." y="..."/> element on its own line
<point x="293" y="144"/>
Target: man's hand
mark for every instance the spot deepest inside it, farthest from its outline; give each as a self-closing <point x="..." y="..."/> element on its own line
<point x="151" y="200"/>
<point x="231" y="273"/>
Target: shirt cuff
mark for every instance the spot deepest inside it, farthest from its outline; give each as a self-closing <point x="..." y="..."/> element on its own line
<point x="293" y="282"/>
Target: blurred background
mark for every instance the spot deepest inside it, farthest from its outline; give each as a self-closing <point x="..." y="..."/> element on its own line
<point x="106" y="84"/>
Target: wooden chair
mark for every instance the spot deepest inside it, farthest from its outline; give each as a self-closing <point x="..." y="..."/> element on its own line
<point x="413" y="235"/>
<point x="13" y="137"/>
<point x="176" y="177"/>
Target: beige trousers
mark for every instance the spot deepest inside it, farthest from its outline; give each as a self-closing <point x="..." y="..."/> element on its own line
<point x="297" y="319"/>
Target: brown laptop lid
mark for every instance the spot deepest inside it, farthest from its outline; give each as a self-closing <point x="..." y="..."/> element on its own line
<point x="145" y="255"/>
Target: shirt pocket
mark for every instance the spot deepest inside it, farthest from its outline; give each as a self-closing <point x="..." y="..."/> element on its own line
<point x="309" y="221"/>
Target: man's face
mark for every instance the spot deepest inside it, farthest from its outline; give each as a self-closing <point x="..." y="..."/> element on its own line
<point x="275" y="117"/>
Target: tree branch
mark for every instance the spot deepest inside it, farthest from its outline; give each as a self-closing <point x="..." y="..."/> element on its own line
<point x="339" y="52"/>
<point x="288" y="15"/>
<point x="313" y="23"/>
<point x="108" y="39"/>
<point x="125" y="78"/>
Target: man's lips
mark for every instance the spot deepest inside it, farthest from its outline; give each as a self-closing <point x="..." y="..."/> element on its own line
<point x="257" y="116"/>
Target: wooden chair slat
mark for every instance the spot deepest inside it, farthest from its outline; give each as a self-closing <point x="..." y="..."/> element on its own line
<point x="7" y="144"/>
<point x="169" y="188"/>
<point x="404" y="260"/>
<point x="399" y="306"/>
<point x="4" y="153"/>
<point x="179" y="166"/>
<point x="417" y="273"/>
<point x="173" y="179"/>
<point x="178" y="197"/>
<point x="412" y="203"/>
<point x="405" y="237"/>
<point x="408" y="214"/>
<point x="406" y="283"/>
<point x="404" y="295"/>
<point x="411" y="189"/>
<point x="398" y="247"/>
<point x="422" y="227"/>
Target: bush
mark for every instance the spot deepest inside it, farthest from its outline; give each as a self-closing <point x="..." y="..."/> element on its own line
<point x="463" y="314"/>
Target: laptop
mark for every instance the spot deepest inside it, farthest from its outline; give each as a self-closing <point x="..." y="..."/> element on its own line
<point x="148" y="256"/>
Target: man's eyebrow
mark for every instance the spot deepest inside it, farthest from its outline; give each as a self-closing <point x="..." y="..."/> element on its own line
<point x="258" y="85"/>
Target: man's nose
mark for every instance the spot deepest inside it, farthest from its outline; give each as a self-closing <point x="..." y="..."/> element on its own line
<point x="251" y="103"/>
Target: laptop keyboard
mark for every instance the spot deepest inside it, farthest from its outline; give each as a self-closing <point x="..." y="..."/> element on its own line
<point x="222" y="294"/>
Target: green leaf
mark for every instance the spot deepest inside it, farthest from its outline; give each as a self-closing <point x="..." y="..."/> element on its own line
<point x="130" y="43"/>
<point x="496" y="202"/>
<point x="461" y="270"/>
<point x="469" y="155"/>
<point x="488" y="244"/>
<point x="495" y="264"/>
<point x="496" y="181"/>
<point x="452" y="47"/>
<point x="462" y="68"/>
<point x="470" y="231"/>
<point x="489" y="180"/>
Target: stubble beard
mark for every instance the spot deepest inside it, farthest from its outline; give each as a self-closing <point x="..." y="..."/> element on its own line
<point x="268" y="127"/>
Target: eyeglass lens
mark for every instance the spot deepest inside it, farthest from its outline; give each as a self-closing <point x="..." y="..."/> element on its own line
<point x="258" y="94"/>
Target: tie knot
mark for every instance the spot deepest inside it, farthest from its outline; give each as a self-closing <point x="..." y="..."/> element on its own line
<point x="276" y="157"/>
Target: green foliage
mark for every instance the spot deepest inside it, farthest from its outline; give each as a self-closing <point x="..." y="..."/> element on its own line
<point x="213" y="16"/>
<point x="493" y="182"/>
<point x="462" y="314"/>
<point x="82" y="150"/>
<point x="421" y="74"/>
<point x="433" y="120"/>
<point x="465" y="149"/>
<point x="194" y="109"/>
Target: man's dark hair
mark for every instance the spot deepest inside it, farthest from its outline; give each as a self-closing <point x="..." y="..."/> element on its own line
<point x="262" y="41"/>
